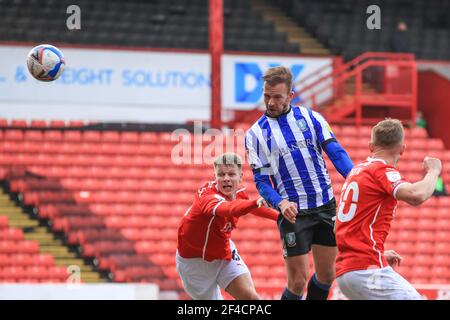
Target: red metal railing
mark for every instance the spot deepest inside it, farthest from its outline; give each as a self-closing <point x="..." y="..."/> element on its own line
<point x="396" y="85"/>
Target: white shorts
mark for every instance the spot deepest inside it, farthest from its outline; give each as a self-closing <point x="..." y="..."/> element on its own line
<point x="202" y="279"/>
<point x="376" y="284"/>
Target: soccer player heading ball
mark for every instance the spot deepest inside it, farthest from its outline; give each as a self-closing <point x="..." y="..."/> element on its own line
<point x="207" y="258"/>
<point x="368" y="202"/>
<point x="285" y="151"/>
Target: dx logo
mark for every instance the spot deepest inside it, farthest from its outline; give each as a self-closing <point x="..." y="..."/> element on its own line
<point x="249" y="82"/>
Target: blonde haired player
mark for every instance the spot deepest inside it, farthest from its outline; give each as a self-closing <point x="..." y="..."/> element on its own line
<point x="368" y="202"/>
<point x="207" y="258"/>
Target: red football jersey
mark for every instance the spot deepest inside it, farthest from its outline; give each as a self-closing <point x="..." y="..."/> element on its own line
<point x="366" y="209"/>
<point x="206" y="227"/>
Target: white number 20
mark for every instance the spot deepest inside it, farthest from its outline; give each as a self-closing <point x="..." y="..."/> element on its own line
<point x="347" y="216"/>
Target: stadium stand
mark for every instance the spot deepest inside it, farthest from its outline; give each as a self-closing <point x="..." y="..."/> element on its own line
<point x="156" y="24"/>
<point x="22" y="258"/>
<point x="110" y="200"/>
<point x="117" y="197"/>
<point x="341" y="25"/>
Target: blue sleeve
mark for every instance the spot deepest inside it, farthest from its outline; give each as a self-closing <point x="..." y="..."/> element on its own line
<point x="266" y="190"/>
<point x="339" y="157"/>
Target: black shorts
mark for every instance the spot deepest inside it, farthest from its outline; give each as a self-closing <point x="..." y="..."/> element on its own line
<point x="312" y="226"/>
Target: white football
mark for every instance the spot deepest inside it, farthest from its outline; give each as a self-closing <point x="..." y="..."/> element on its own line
<point x="45" y="62"/>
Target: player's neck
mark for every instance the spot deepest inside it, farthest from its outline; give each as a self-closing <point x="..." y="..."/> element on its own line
<point x="387" y="157"/>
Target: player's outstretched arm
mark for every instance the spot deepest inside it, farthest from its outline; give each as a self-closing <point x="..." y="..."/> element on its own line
<point x="338" y="156"/>
<point x="263" y="211"/>
<point x="221" y="207"/>
<point x="265" y="189"/>
<point x="418" y="192"/>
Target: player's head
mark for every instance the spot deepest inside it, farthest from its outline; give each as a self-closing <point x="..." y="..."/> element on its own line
<point x="277" y="90"/>
<point x="228" y="171"/>
<point x="388" y="137"/>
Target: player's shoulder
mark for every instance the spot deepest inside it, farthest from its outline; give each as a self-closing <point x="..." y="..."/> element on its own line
<point x="305" y="110"/>
<point x="208" y="188"/>
<point x="241" y="193"/>
<point x="257" y="124"/>
<point x="380" y="167"/>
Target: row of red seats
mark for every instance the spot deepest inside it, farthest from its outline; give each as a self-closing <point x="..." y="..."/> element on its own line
<point x="37" y="198"/>
<point x="19" y="259"/>
<point x="25" y="246"/>
<point x="145" y="247"/>
<point x="168" y="172"/>
<point x="130" y="172"/>
<point x="418" y="235"/>
<point x="13" y="234"/>
<point x="62" y="210"/>
<point x="337" y="130"/>
<point x="34" y="272"/>
<point x="23" y="124"/>
<point x="114" y="222"/>
<point x="93" y="148"/>
<point x="89" y="136"/>
<point x="169" y="183"/>
<point x="73" y="184"/>
<point x="365" y="131"/>
<point x="70" y="153"/>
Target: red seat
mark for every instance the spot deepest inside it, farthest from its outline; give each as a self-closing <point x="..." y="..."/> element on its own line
<point x="72" y="136"/>
<point x="57" y="124"/>
<point x="434" y="144"/>
<point x="418" y="133"/>
<point x="110" y="136"/>
<point x="440" y="271"/>
<point x="38" y="124"/>
<point x="444" y="202"/>
<point x="129" y="137"/>
<point x="12" y="234"/>
<point x="91" y="136"/>
<point x="33" y="135"/>
<point x="16" y="123"/>
<point x="148" y="137"/>
<point x="3" y="222"/>
<point x="3" y="123"/>
<point x="53" y="135"/>
<point x="441" y="260"/>
<point x="76" y="124"/>
<point x="13" y="135"/>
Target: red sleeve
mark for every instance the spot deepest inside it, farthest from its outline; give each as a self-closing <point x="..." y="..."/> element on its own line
<point x="217" y="205"/>
<point x="390" y="179"/>
<point x="267" y="213"/>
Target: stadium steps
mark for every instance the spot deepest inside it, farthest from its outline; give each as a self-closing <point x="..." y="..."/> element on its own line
<point x="284" y="24"/>
<point x="46" y="240"/>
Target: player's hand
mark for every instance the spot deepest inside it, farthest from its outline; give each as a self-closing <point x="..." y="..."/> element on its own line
<point x="288" y="210"/>
<point x="432" y="165"/>
<point x="262" y="202"/>
<point x="393" y="258"/>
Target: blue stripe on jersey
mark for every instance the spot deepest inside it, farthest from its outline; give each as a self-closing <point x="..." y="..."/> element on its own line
<point x="308" y="134"/>
<point x="266" y="132"/>
<point x="299" y="162"/>
<point x="284" y="173"/>
<point x="319" y="128"/>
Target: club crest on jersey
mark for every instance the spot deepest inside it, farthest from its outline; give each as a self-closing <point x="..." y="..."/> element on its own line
<point x="290" y="239"/>
<point x="393" y="176"/>
<point x="301" y="124"/>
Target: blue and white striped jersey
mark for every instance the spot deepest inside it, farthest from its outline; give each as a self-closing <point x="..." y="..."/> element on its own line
<point x="289" y="149"/>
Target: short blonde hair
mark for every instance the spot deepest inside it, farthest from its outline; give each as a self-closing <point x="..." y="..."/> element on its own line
<point x="277" y="75"/>
<point x="228" y="158"/>
<point x="388" y="133"/>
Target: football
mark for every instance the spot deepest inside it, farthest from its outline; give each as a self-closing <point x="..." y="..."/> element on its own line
<point x="45" y="62"/>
